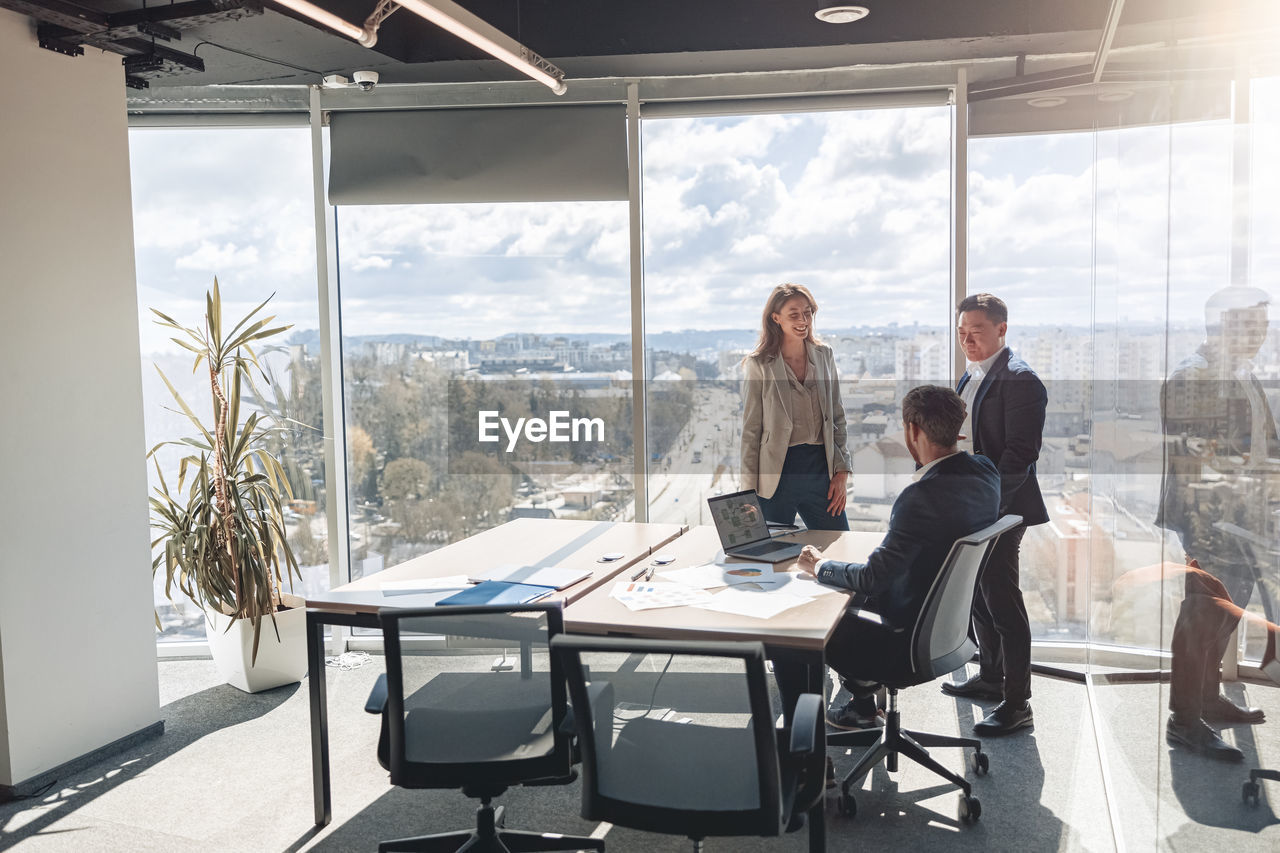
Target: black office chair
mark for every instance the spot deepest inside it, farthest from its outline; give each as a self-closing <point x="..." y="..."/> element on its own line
<point x="450" y="723"/>
<point x="938" y="643"/>
<point x="680" y="738"/>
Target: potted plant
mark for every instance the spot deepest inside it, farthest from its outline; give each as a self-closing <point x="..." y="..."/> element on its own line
<point x="221" y="535"/>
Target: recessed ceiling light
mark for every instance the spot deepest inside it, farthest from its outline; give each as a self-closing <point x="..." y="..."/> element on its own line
<point x="1117" y="95"/>
<point x="1047" y="102"/>
<point x="841" y="14"/>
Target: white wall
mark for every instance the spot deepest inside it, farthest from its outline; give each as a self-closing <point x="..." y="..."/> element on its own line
<point x="77" y="648"/>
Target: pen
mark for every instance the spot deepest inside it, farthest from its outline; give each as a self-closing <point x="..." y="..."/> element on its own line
<point x="641" y="574"/>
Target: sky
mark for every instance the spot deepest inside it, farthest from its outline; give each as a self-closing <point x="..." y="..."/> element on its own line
<point x="855" y="205"/>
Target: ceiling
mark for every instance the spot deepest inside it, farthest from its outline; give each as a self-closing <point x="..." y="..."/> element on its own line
<point x="200" y="43"/>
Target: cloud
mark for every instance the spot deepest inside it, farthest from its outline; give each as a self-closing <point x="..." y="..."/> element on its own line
<point x="371" y="262"/>
<point x="855" y="205"/>
<point x="211" y="258"/>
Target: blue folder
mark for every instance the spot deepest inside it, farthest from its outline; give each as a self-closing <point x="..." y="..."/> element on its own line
<point x="498" y="592"/>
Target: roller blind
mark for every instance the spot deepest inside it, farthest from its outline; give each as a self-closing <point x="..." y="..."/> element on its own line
<point x="569" y="153"/>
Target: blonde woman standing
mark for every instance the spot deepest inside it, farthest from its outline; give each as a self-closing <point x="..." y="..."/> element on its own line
<point x="793" y="429"/>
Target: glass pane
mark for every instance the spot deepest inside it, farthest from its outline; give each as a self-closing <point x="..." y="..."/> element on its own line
<point x="854" y="206"/>
<point x="486" y="362"/>
<point x="236" y="204"/>
<point x="1031" y="244"/>
<point x="1264" y="254"/>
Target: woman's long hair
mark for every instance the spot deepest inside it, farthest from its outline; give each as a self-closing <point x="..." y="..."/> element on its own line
<point x="770" y="343"/>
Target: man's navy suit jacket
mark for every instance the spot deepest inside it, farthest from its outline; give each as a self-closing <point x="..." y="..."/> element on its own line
<point x="1008" y="425"/>
<point x="958" y="496"/>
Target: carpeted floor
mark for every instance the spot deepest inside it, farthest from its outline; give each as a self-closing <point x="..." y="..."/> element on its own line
<point x="232" y="773"/>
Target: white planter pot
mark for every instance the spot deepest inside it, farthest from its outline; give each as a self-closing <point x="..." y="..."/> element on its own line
<point x="282" y="661"/>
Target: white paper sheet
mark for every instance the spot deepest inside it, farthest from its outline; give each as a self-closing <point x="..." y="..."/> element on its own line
<point x="638" y="595"/>
<point x="417" y="585"/>
<point x="755" y="603"/>
<point x="712" y="575"/>
<point x="793" y="583"/>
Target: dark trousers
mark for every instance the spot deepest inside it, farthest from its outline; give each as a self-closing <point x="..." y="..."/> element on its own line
<point x="1200" y="636"/>
<point x="803" y="489"/>
<point x="1000" y="622"/>
<point x="861" y="653"/>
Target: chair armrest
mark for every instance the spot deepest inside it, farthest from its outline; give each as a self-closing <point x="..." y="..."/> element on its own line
<point x="377" y="701"/>
<point x="807" y="754"/>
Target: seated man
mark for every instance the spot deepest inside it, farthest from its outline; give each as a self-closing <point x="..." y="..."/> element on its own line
<point x="953" y="494"/>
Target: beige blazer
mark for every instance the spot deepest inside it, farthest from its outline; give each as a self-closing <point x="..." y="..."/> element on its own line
<point x="766" y="419"/>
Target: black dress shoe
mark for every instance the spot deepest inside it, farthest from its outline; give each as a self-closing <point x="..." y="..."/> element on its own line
<point x="1004" y="719"/>
<point x="1220" y="709"/>
<point x="1198" y="737"/>
<point x="975" y="687"/>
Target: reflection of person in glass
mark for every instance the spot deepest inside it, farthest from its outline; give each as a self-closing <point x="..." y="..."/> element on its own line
<point x="793" y="429"/>
<point x="1220" y="434"/>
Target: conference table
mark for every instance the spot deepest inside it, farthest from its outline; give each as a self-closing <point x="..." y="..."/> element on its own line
<point x="799" y="634"/>
<point x="569" y="543"/>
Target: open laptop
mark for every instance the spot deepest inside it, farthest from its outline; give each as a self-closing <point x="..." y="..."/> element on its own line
<point x="743" y="531"/>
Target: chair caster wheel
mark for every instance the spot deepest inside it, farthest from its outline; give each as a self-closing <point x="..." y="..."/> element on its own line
<point x="980" y="762"/>
<point x="1250" y="793"/>
<point x="969" y="809"/>
<point x="848" y="805"/>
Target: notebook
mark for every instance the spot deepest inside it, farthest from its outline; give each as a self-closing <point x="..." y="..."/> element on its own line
<point x="556" y="577"/>
<point x="743" y="532"/>
<point x="498" y="592"/>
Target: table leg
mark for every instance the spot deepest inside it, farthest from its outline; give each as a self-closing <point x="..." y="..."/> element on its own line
<point x="319" y="719"/>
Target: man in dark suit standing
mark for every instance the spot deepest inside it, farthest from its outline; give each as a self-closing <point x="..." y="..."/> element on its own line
<point x="1006" y="408"/>
<point x="953" y="494"/>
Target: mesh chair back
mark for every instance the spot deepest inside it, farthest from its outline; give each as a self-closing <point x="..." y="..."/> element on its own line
<point x="675" y="737"/>
<point x="473" y="696"/>
<point x="940" y="638"/>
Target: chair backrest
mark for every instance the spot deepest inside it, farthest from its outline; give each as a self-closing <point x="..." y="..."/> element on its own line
<point x="940" y="637"/>
<point x="676" y="737"/>
<point x="481" y="703"/>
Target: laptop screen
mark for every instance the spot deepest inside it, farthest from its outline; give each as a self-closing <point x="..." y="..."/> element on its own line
<point x="739" y="519"/>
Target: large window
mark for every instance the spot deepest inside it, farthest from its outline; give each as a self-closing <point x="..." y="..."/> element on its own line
<point x="459" y="320"/>
<point x="853" y="205"/>
<point x="1031" y="244"/>
<point x="236" y="204"/>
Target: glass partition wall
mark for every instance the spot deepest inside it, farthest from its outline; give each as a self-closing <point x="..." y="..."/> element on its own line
<point x="1111" y="242"/>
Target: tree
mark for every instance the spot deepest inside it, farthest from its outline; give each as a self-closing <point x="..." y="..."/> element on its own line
<point x="361" y="461"/>
<point x="405" y="479"/>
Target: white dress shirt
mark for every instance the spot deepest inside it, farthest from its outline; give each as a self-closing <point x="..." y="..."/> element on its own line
<point x="977" y="371"/>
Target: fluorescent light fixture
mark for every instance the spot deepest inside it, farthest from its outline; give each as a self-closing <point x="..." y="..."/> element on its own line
<point x="450" y="16"/>
<point x="841" y="14"/>
<point x="330" y="20"/>
<point x="1044" y="103"/>
<point x="1115" y="95"/>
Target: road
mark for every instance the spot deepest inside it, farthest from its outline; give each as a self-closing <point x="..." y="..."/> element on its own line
<point x="678" y="486"/>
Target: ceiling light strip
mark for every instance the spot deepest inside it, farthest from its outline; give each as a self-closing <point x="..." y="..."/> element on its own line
<point x="467" y="26"/>
<point x="448" y="16"/>
<point x="325" y="17"/>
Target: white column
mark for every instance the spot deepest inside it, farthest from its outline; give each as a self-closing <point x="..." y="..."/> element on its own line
<point x="77" y="628"/>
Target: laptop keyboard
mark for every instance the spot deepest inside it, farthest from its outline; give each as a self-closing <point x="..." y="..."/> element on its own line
<point x="766" y="548"/>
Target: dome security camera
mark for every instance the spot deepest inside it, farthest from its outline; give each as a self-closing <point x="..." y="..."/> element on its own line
<point x="366" y="80"/>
